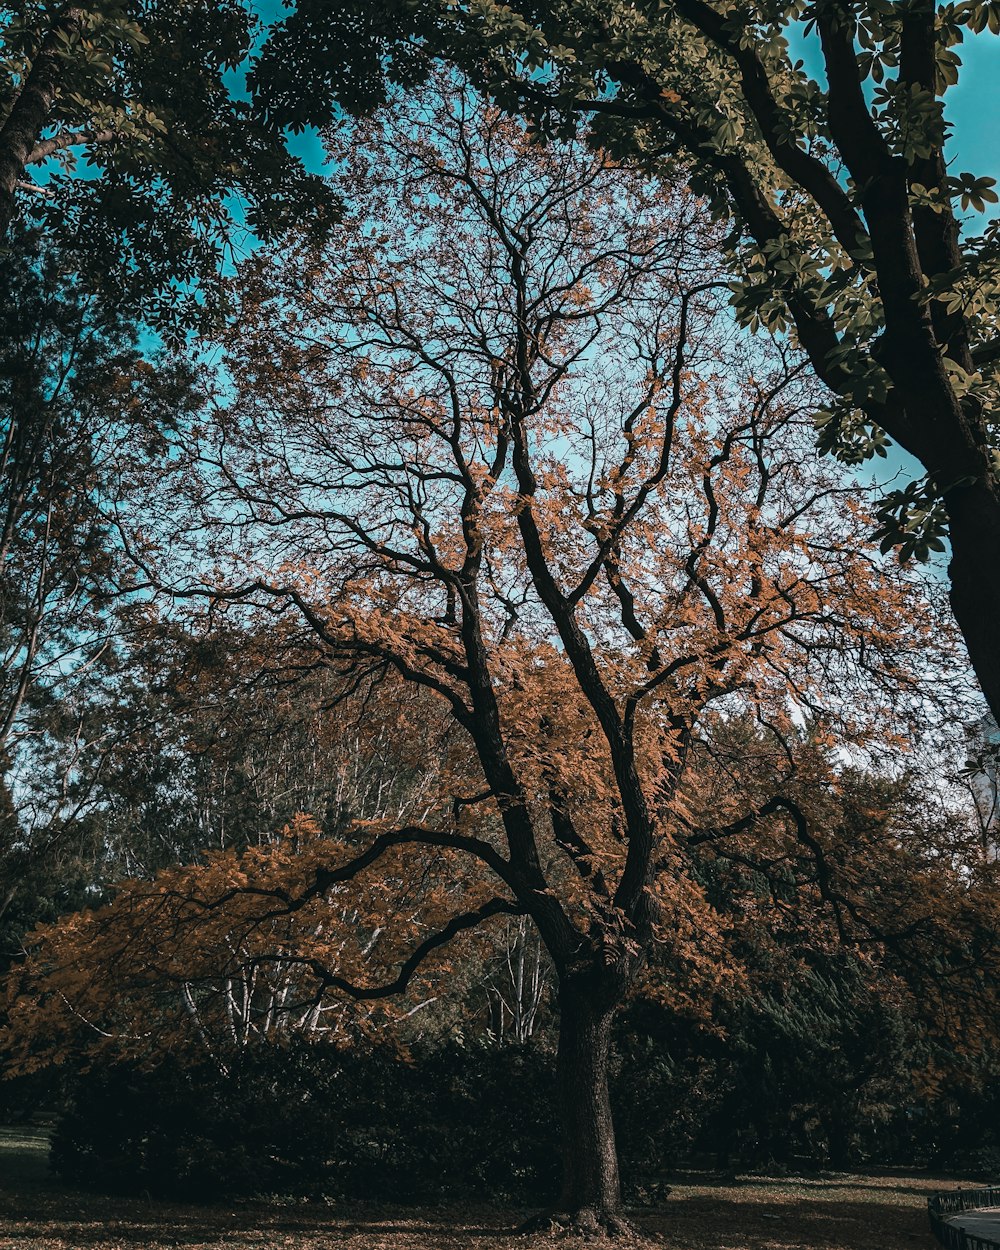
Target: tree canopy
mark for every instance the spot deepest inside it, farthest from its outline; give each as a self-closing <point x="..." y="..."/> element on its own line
<point x="468" y="607"/>
<point x="821" y="132"/>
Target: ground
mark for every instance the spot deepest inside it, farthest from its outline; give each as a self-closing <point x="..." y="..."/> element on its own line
<point x="838" y="1212"/>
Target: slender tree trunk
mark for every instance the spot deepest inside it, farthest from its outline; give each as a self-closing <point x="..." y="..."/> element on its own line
<point x="590" y="1199"/>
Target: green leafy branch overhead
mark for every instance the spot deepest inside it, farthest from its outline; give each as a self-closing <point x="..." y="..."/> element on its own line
<point x="122" y="138"/>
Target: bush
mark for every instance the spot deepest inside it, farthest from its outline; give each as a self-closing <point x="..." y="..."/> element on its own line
<point x="308" y="1119"/>
<point x="820" y="1079"/>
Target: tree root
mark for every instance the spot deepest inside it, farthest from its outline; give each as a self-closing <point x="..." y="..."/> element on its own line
<point x="586" y="1222"/>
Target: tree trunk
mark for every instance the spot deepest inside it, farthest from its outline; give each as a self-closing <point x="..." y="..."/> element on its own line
<point x="30" y="112"/>
<point x="974" y="523"/>
<point x="590" y="1198"/>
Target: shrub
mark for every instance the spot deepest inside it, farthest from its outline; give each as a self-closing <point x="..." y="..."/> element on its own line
<point x="309" y="1119"/>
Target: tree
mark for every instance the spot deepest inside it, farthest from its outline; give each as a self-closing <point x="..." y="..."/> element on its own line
<point x="80" y="399"/>
<point x="847" y="224"/>
<point x="863" y="962"/>
<point x="863" y="981"/>
<point x="503" y="446"/>
<point x="217" y="744"/>
<point x="177" y="168"/>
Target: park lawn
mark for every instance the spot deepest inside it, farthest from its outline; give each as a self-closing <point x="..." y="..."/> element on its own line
<point x="749" y="1213"/>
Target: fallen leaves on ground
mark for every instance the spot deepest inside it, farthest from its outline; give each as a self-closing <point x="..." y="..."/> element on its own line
<point x="748" y="1213"/>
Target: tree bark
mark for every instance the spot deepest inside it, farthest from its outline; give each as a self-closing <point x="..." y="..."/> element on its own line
<point x="974" y="571"/>
<point x="28" y="115"/>
<point x="590" y="1198"/>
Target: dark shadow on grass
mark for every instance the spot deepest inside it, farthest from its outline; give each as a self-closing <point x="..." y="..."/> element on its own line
<point x="707" y="1210"/>
<point x="702" y="1222"/>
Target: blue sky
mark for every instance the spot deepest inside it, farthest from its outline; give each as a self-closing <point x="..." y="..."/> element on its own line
<point x="972" y="108"/>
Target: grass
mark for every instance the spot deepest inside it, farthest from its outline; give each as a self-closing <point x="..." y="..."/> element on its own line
<point x="24" y="1154"/>
<point x="840" y="1212"/>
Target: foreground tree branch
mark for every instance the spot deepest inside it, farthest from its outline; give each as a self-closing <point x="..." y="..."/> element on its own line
<point x="328" y="980"/>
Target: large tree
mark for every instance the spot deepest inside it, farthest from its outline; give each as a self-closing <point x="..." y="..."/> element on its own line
<point x="821" y="131"/>
<point x="499" y="440"/>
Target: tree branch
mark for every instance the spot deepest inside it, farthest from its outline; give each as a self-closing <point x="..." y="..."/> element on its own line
<point x="326" y="878"/>
<point x="805" y="170"/>
<point x="777" y="804"/>
<point x="30" y="111"/>
<point x="367" y="993"/>
<point x="67" y="139"/>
